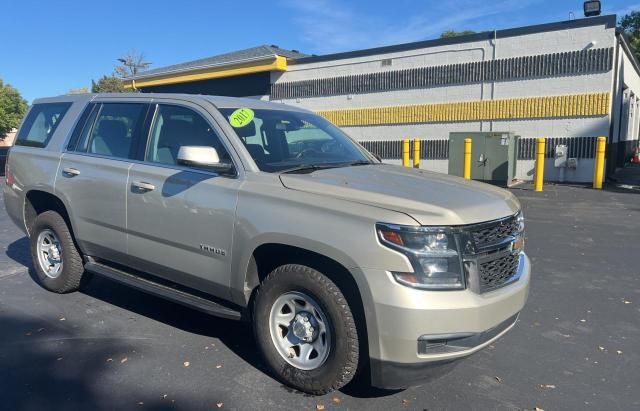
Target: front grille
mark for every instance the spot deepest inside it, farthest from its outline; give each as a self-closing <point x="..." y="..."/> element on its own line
<point x="496" y="273"/>
<point x="495" y="232"/>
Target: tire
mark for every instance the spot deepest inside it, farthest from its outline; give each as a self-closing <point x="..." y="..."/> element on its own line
<point x="50" y="225"/>
<point x="336" y="361"/>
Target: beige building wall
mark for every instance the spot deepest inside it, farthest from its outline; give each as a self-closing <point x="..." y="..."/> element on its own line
<point x="571" y="105"/>
<point x="8" y="140"/>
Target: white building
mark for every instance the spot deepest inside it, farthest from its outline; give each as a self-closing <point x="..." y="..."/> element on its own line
<point x="569" y="81"/>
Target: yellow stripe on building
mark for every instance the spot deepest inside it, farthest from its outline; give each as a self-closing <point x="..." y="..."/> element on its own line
<point x="577" y="105"/>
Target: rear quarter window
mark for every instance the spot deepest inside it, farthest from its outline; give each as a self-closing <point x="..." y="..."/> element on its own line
<point x="41" y="123"/>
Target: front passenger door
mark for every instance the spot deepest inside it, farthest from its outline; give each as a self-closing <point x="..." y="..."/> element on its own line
<point x="181" y="219"/>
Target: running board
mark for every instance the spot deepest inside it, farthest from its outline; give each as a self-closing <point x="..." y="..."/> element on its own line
<point x="162" y="291"/>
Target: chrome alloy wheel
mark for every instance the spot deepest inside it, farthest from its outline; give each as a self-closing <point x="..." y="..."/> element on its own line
<point x="49" y="251"/>
<point x="300" y="330"/>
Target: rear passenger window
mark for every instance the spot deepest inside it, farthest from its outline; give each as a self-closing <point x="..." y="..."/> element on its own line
<point x="175" y="127"/>
<point x="113" y="129"/>
<point x="41" y="123"/>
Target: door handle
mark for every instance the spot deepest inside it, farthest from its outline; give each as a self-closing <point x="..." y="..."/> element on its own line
<point x="70" y="171"/>
<point x="142" y="186"/>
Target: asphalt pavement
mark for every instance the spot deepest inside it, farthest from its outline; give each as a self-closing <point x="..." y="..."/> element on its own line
<point x="575" y="347"/>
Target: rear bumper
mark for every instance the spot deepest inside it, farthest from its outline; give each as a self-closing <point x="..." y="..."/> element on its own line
<point x="418" y="334"/>
<point x="14" y="204"/>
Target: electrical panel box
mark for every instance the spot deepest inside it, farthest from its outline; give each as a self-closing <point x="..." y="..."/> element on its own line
<point x="560" y="156"/>
<point x="493" y="155"/>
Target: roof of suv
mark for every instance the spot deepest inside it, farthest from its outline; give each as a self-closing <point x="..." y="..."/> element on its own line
<point x="217" y="101"/>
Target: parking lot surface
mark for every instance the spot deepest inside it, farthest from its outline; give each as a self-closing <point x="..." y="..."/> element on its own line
<point x="109" y="347"/>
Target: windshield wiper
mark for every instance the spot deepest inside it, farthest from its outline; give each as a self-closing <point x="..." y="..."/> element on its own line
<point x="308" y="168"/>
<point x="360" y="163"/>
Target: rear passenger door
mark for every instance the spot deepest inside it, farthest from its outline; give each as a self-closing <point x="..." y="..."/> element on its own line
<point x="181" y="218"/>
<point x="93" y="175"/>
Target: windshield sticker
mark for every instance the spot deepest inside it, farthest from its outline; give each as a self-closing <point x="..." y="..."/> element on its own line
<point x="241" y="117"/>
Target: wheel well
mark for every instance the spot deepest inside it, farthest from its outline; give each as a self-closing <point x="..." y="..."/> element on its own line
<point x="268" y="257"/>
<point x="37" y="202"/>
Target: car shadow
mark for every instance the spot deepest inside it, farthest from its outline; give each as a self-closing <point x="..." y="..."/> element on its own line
<point x="19" y="252"/>
<point x="182" y="181"/>
<point x="46" y="366"/>
<point x="235" y="335"/>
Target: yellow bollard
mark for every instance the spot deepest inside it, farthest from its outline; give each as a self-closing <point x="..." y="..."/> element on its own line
<point x="598" y="173"/>
<point x="539" y="176"/>
<point x="467" y="158"/>
<point x="416" y="153"/>
<point x="405" y="152"/>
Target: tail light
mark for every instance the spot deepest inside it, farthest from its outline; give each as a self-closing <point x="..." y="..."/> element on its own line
<point x="7" y="172"/>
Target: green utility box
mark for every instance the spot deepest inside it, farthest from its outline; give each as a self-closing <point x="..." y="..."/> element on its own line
<point x="493" y="155"/>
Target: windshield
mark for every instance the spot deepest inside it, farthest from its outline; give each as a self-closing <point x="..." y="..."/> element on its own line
<point x="280" y="140"/>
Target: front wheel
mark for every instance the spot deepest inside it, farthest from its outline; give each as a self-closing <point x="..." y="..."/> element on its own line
<point x="305" y="329"/>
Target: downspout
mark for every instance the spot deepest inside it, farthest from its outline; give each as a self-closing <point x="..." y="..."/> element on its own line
<point x="611" y="156"/>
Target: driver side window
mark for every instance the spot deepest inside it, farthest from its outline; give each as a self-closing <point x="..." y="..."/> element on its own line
<point x="174" y="127"/>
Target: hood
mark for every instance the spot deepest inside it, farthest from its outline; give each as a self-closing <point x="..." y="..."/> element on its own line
<point x="430" y="198"/>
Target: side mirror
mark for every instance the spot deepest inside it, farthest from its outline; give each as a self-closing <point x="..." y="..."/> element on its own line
<point x="202" y="156"/>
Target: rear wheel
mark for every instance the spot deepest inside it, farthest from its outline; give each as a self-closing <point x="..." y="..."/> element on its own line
<point x="305" y="329"/>
<point x="56" y="259"/>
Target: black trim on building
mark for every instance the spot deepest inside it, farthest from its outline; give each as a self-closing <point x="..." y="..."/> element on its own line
<point x="255" y="84"/>
<point x="544" y="65"/>
<point x="392" y="149"/>
<point x="578" y="147"/>
<point x="608" y="21"/>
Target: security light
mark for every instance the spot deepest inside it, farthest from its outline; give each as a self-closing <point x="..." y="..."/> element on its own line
<point x="592" y="8"/>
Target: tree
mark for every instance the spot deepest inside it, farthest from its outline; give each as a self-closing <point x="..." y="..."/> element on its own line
<point x="132" y="64"/>
<point x="108" y="84"/>
<point x="12" y="108"/>
<point x="79" y="90"/>
<point x="630" y="24"/>
<point x="451" y="33"/>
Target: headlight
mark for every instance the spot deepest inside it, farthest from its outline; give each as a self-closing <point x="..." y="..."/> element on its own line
<point x="520" y="221"/>
<point x="518" y="242"/>
<point x="433" y="252"/>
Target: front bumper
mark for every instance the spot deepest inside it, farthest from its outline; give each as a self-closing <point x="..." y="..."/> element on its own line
<point x="394" y="375"/>
<point x="418" y="334"/>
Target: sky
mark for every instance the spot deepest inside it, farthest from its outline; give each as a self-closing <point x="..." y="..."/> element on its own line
<point x="49" y="47"/>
